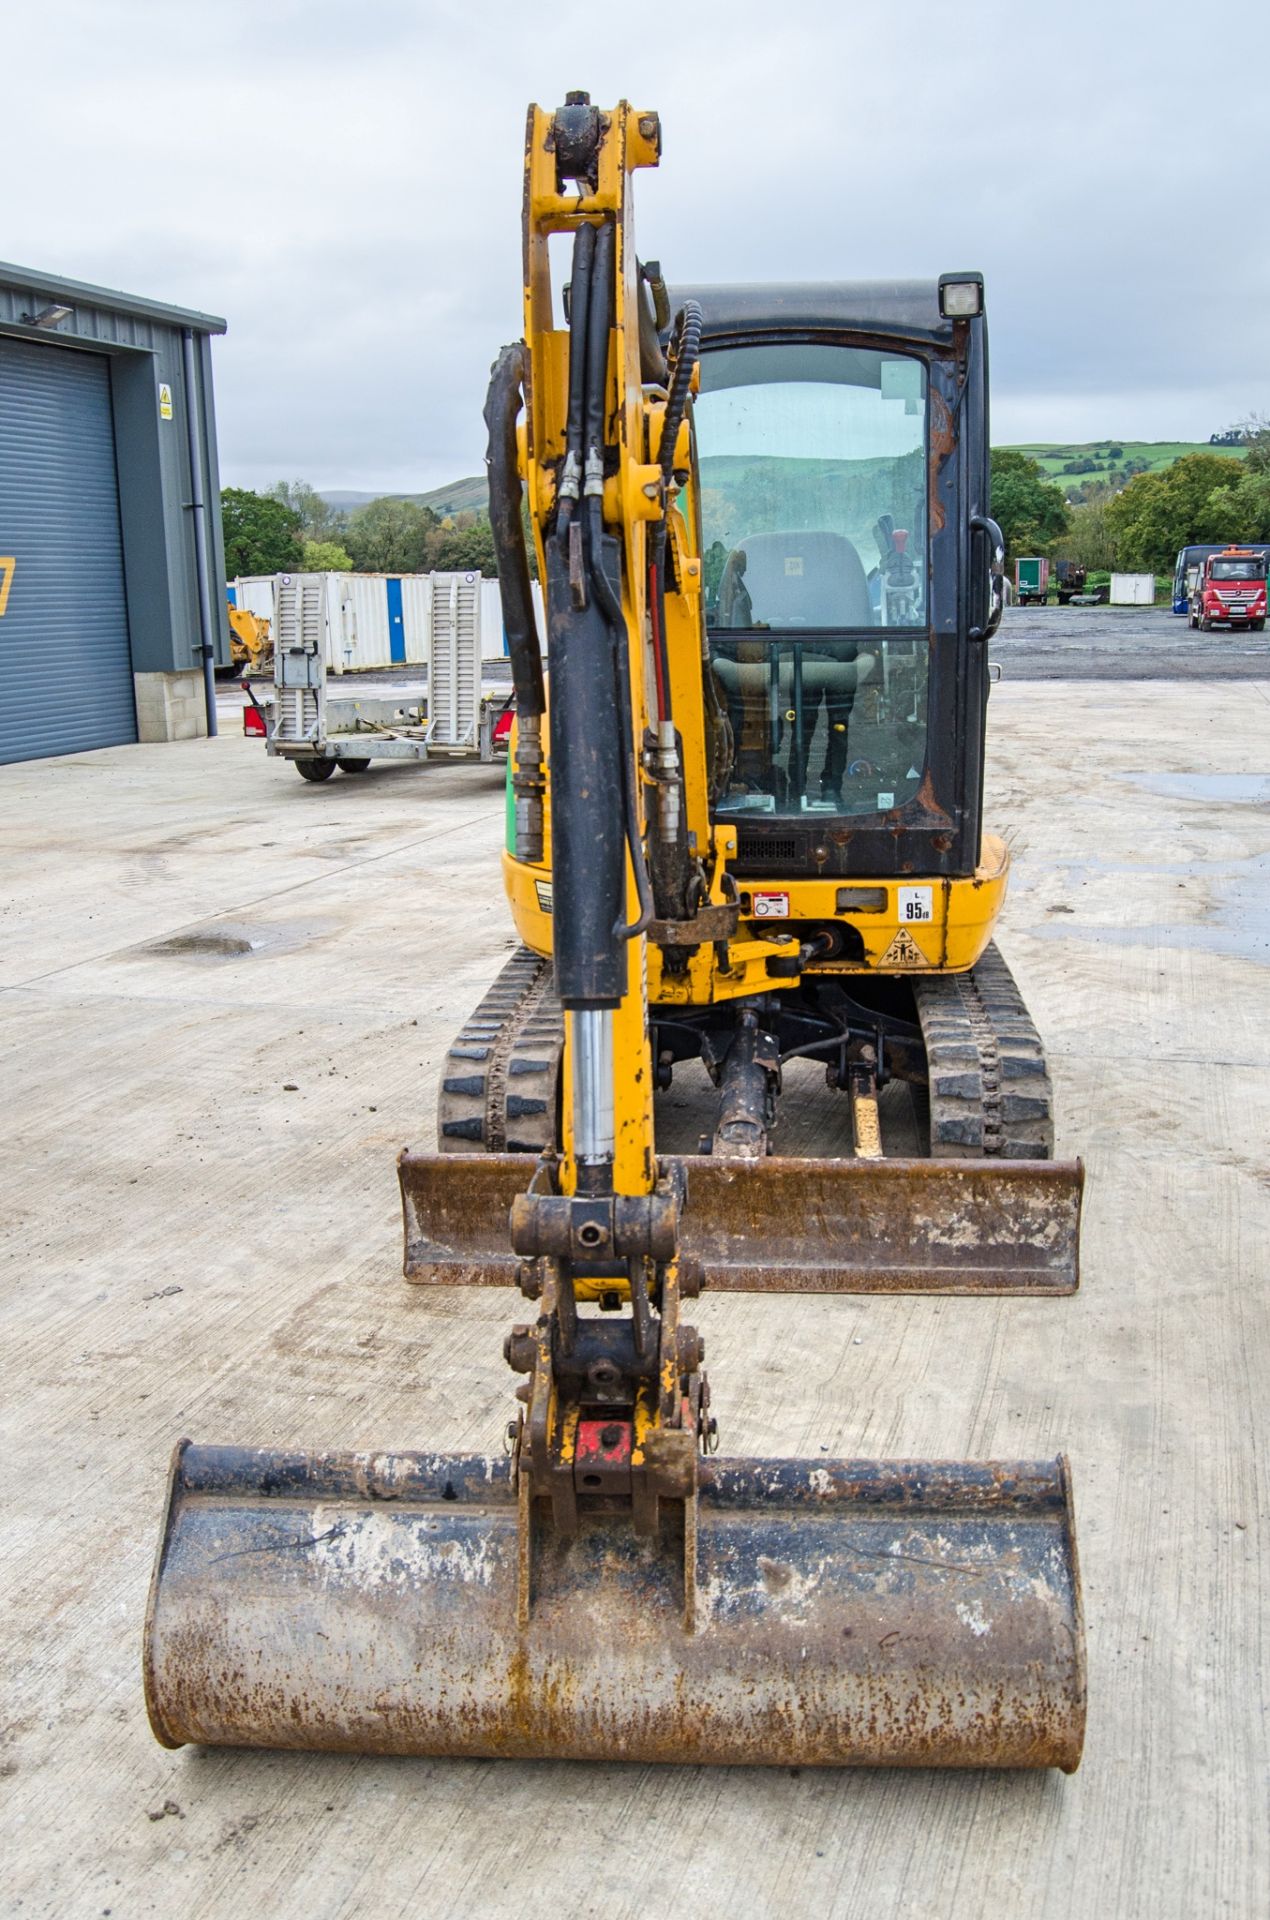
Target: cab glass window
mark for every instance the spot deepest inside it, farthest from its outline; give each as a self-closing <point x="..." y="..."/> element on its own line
<point x="813" y="487"/>
<point x="812" y="463"/>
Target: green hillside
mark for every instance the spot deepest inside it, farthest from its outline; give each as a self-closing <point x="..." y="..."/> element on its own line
<point x="470" y="495"/>
<point x="460" y="496"/>
<point x="1113" y="462"/>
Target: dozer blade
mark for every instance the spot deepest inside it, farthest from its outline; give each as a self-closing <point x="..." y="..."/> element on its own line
<point x="790" y="1225"/>
<point x="846" y="1613"/>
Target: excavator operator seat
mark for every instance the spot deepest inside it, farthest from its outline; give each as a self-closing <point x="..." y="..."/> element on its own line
<point x="795" y="579"/>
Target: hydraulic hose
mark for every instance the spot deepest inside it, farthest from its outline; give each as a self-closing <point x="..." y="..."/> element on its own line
<point x="598" y="322"/>
<point x="611" y="608"/>
<point x="684" y="352"/>
<point x="502" y="405"/>
<point x="579" y="311"/>
<point x="670" y="861"/>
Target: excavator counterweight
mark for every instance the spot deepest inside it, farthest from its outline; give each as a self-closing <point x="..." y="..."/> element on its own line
<point x="745" y="848"/>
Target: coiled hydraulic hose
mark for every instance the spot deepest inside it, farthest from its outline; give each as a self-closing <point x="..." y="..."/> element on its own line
<point x="684" y="352"/>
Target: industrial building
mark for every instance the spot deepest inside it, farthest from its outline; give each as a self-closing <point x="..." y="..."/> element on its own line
<point x="111" y="558"/>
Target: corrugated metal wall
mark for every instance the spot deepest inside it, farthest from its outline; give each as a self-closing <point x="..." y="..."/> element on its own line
<point x="65" y="666"/>
<point x="140" y="345"/>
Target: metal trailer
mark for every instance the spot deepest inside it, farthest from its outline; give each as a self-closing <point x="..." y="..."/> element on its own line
<point x="1031" y="581"/>
<point x="459" y="718"/>
<point x="381" y="620"/>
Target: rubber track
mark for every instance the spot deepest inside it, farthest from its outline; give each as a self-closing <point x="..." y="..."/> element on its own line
<point x="990" y="1091"/>
<point x="499" y="1085"/>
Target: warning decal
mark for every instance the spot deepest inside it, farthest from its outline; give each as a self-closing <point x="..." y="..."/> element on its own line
<point x="903" y="952"/>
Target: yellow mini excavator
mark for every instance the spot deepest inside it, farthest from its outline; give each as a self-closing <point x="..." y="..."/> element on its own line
<point x="745" y="844"/>
<point x="250" y="645"/>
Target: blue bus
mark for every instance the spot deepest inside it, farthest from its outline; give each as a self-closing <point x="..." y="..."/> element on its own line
<point x="1191" y="557"/>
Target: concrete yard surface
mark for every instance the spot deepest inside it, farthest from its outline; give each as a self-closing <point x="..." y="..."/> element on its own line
<point x="225" y="995"/>
<point x="1124" y="643"/>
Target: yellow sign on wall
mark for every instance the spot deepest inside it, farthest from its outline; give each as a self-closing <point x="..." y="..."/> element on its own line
<point x="8" y="566"/>
<point x="165" y="402"/>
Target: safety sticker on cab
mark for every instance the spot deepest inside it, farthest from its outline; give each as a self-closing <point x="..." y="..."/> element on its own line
<point x="771" y="906"/>
<point x="915" y="903"/>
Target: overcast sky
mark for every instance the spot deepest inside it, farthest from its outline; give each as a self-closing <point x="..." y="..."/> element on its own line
<point x="342" y="183"/>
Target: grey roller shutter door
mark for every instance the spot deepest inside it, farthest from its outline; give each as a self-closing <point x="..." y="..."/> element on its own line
<point x="65" y="667"/>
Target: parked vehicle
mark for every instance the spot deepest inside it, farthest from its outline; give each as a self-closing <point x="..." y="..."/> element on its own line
<point x="1230" y="590"/>
<point x="1070" y="578"/>
<point x="1186" y="572"/>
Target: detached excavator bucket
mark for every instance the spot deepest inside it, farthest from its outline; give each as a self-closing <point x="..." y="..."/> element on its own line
<point x="844" y="1613"/>
<point x="789" y="1225"/>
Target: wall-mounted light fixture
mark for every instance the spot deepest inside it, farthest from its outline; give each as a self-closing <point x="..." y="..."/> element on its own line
<point x="50" y="316"/>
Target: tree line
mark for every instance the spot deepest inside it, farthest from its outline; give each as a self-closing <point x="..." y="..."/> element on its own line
<point x="1207" y="498"/>
<point x="290" y="528"/>
<point x="1203" y="497"/>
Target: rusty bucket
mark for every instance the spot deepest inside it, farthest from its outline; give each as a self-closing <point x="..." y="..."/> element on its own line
<point x="844" y="1613"/>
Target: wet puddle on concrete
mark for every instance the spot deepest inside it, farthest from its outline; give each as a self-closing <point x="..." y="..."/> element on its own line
<point x="1231" y="789"/>
<point x="1236" y="913"/>
<point x="206" y="946"/>
<point x="231" y="940"/>
<point x="1248" y="939"/>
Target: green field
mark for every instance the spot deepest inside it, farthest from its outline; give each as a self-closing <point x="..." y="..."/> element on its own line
<point x="1111" y="462"/>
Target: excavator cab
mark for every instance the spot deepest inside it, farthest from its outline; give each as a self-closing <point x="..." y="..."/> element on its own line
<point x="824" y="587"/>
<point x="744" y="836"/>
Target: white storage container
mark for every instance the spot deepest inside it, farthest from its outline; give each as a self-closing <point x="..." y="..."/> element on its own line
<point x="377" y="620"/>
<point x="493" y="635"/>
<point x="255" y="593"/>
<point x="1132" y="589"/>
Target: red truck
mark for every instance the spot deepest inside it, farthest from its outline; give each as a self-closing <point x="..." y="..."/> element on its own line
<point x="1230" y="590"/>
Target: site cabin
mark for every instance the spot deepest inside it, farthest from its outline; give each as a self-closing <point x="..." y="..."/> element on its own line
<point x="1230" y="590"/>
<point x="1031" y="581"/>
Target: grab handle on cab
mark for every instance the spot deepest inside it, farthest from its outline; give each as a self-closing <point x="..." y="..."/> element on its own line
<point x="993" y="574"/>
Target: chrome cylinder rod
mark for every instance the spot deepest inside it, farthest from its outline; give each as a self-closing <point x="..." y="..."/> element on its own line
<point x="594" y="1126"/>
